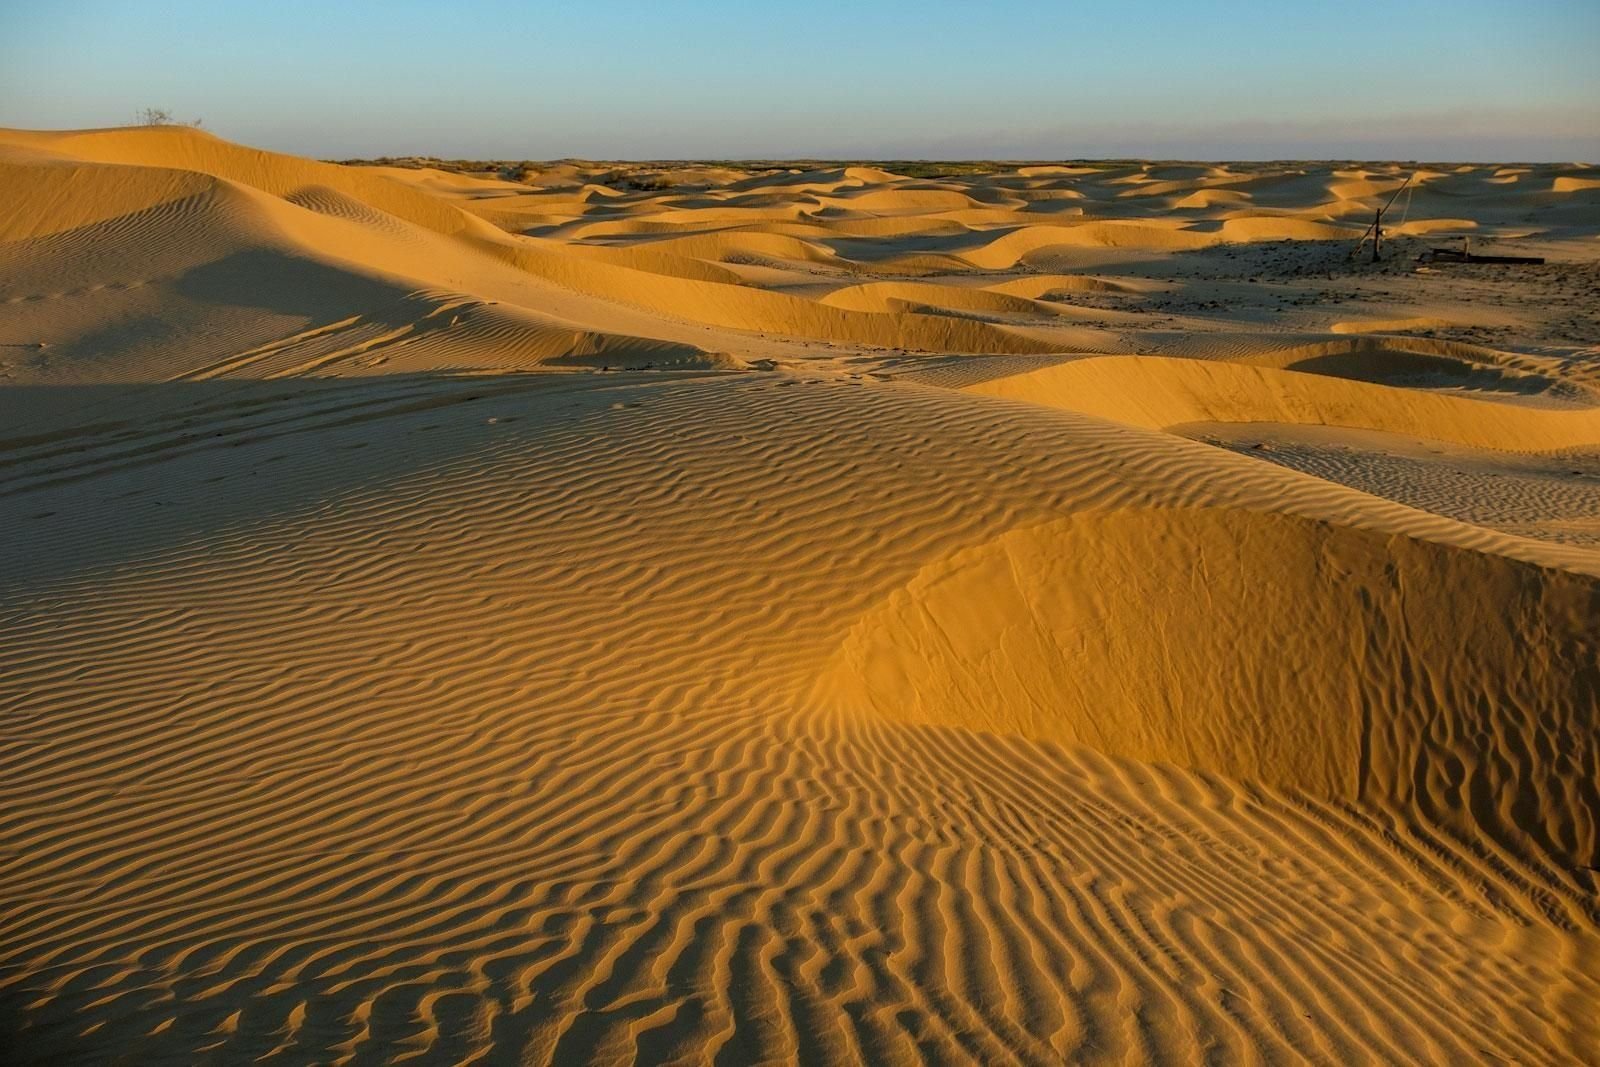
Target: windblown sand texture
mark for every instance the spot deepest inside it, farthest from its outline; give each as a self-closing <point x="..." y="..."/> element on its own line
<point x="693" y="614"/>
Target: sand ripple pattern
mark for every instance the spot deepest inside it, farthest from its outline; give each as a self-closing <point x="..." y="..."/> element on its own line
<point x="481" y="753"/>
<point x="690" y="614"/>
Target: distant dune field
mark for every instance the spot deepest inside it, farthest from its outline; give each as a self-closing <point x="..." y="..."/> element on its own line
<point x="720" y="613"/>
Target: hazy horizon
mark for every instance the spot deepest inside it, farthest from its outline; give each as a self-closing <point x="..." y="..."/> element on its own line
<point x="710" y="80"/>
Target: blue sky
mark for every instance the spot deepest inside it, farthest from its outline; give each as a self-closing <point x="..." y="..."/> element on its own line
<point x="622" y="79"/>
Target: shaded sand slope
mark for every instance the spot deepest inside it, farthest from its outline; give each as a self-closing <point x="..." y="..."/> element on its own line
<point x="345" y="232"/>
<point x="875" y="678"/>
<point x="206" y="275"/>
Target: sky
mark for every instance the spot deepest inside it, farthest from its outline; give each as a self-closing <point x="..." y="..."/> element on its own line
<point x="1464" y="80"/>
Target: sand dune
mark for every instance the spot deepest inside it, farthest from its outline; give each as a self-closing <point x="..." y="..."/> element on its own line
<point x="686" y="613"/>
<point x="1164" y="393"/>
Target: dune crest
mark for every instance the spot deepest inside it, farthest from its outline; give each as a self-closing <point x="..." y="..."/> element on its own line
<point x="1419" y="701"/>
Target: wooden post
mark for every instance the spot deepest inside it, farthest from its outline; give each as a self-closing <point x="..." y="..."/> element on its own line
<point x="1376" y="229"/>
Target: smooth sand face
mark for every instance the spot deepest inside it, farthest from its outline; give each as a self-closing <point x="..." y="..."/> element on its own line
<point x="706" y="615"/>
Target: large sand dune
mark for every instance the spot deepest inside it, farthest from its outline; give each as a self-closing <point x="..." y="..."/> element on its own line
<point x="696" y="614"/>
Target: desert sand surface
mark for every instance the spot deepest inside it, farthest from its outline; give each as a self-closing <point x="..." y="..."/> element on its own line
<point x="718" y="613"/>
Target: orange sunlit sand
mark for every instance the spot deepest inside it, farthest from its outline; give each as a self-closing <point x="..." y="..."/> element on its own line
<point x="611" y="612"/>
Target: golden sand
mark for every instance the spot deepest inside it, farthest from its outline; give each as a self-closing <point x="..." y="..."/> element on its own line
<point x="1050" y="614"/>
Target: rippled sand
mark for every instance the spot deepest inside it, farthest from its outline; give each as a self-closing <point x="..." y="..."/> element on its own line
<point x="696" y="614"/>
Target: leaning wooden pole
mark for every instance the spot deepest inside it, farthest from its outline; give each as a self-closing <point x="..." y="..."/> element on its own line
<point x="1375" y="231"/>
